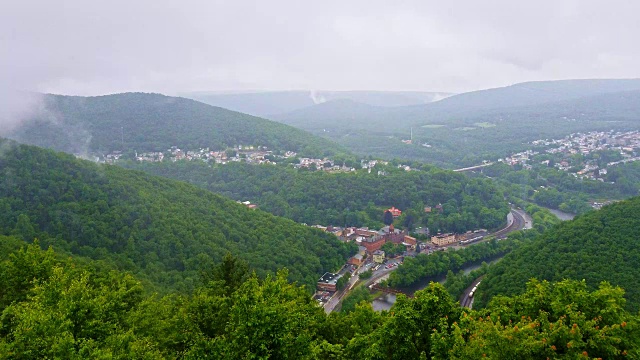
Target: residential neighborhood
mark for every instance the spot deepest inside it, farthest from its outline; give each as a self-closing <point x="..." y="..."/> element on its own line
<point x="577" y="153"/>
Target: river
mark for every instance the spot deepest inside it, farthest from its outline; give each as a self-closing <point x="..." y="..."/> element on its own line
<point x="385" y="301"/>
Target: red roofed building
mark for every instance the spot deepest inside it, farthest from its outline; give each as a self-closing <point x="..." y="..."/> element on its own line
<point x="395" y="212"/>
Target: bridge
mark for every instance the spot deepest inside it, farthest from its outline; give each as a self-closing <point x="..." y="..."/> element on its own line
<point x="386" y="290"/>
<point x="474" y="167"/>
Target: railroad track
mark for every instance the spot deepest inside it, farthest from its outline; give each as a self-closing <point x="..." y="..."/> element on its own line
<point x="517" y="224"/>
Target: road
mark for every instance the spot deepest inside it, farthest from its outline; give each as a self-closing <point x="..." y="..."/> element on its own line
<point x="473" y="167"/>
<point x="335" y="300"/>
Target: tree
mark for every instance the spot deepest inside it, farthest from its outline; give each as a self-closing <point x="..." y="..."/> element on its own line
<point x="270" y="319"/>
<point x="409" y="221"/>
<point x="343" y="280"/>
<point x="561" y="320"/>
<point x="366" y="274"/>
<point x="392" y="249"/>
<point x="406" y="334"/>
<point x="24" y="228"/>
<point x="228" y="275"/>
<point x="388" y="218"/>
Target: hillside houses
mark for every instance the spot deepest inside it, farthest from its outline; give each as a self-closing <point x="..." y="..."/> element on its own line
<point x="565" y="151"/>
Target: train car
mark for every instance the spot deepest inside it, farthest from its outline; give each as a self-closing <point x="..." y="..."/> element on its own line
<point x="469" y="241"/>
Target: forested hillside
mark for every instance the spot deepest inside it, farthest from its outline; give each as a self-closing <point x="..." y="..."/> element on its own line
<point x="354" y="199"/>
<point x="152" y="122"/>
<point x="482" y="125"/>
<point x="56" y="308"/>
<point x="597" y="246"/>
<point x="162" y="230"/>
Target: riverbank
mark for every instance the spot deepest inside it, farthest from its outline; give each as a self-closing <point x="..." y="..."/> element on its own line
<point x="385" y="301"/>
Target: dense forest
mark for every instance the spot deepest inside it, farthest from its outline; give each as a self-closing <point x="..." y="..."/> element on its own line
<point x="597" y="246"/>
<point x="162" y="230"/>
<point x="53" y="307"/>
<point x="152" y="122"/>
<point x="354" y="199"/>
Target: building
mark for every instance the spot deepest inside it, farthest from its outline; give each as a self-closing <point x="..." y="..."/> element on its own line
<point x="357" y="259"/>
<point x="373" y="243"/>
<point x="395" y="212"/>
<point x="443" y="239"/>
<point x="328" y="282"/>
<point x="378" y="256"/>
<point x="410" y="240"/>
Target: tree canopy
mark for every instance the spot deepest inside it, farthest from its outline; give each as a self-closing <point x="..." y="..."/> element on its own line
<point x="597" y="246"/>
<point x="132" y="122"/>
<point x="357" y="198"/>
<point x="73" y="311"/>
<point x="162" y="230"/>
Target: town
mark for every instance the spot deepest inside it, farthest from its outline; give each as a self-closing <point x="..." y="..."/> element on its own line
<point x="387" y="246"/>
<point x="250" y="154"/>
<point x="578" y="153"/>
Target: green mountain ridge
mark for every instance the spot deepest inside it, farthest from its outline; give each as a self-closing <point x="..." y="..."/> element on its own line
<point x="161" y="230"/>
<point x="597" y="246"/>
<point x="153" y="122"/>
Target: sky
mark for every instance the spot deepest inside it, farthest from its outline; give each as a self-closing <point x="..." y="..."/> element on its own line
<point x="93" y="47"/>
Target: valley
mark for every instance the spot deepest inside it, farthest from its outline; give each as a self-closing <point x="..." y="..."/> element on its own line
<point x="335" y="180"/>
<point x="294" y="218"/>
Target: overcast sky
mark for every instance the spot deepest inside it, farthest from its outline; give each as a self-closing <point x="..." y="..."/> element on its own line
<point x="91" y="47"/>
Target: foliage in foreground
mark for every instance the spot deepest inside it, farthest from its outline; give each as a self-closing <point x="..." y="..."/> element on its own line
<point x="52" y="308"/>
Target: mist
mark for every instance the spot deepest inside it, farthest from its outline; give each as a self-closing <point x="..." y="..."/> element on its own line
<point x="17" y="107"/>
<point x="94" y="48"/>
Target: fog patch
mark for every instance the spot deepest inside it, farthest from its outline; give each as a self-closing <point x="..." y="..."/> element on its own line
<point x="18" y="107"/>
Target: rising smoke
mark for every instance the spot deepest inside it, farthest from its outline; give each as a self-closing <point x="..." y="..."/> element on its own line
<point x="317" y="98"/>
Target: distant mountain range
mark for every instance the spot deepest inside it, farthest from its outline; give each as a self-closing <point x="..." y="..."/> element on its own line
<point x="515" y="98"/>
<point x="466" y="128"/>
<point x="272" y="103"/>
<point x="152" y="122"/>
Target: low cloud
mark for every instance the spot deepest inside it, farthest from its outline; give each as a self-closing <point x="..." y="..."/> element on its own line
<point x="90" y="48"/>
<point x="17" y="107"/>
